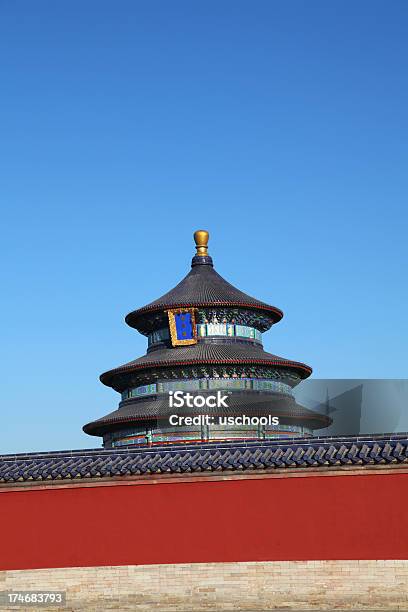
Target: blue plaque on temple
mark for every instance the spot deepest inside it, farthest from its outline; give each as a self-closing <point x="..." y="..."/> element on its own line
<point x="184" y="327"/>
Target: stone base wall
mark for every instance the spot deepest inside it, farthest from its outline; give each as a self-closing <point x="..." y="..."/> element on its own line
<point x="293" y="585"/>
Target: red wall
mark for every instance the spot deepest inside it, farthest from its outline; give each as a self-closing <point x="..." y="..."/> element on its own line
<point x="327" y="517"/>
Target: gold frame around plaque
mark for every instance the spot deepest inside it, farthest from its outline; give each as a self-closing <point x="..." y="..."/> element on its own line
<point x="172" y="325"/>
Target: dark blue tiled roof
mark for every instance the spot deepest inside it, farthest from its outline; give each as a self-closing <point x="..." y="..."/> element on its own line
<point x="202" y="286"/>
<point x="227" y="456"/>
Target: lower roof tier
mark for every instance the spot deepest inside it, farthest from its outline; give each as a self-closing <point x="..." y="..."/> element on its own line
<point x="202" y="353"/>
<point x="251" y="403"/>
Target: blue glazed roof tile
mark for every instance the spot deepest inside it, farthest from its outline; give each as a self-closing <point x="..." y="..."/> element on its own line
<point x="296" y="453"/>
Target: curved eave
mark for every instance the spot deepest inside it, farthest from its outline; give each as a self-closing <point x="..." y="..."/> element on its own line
<point x="102" y="426"/>
<point x="107" y="377"/>
<point x="133" y="319"/>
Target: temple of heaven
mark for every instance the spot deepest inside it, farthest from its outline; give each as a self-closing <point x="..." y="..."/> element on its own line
<point x="205" y="339"/>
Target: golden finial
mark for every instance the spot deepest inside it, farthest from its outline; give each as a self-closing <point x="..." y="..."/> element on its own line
<point x="201" y="240"/>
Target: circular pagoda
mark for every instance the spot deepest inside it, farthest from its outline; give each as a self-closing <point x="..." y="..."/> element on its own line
<point x="205" y="336"/>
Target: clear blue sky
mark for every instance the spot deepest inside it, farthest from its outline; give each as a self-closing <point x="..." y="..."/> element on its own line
<point x="281" y="127"/>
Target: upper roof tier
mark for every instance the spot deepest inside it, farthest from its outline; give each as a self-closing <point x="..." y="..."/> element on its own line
<point x="202" y="287"/>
